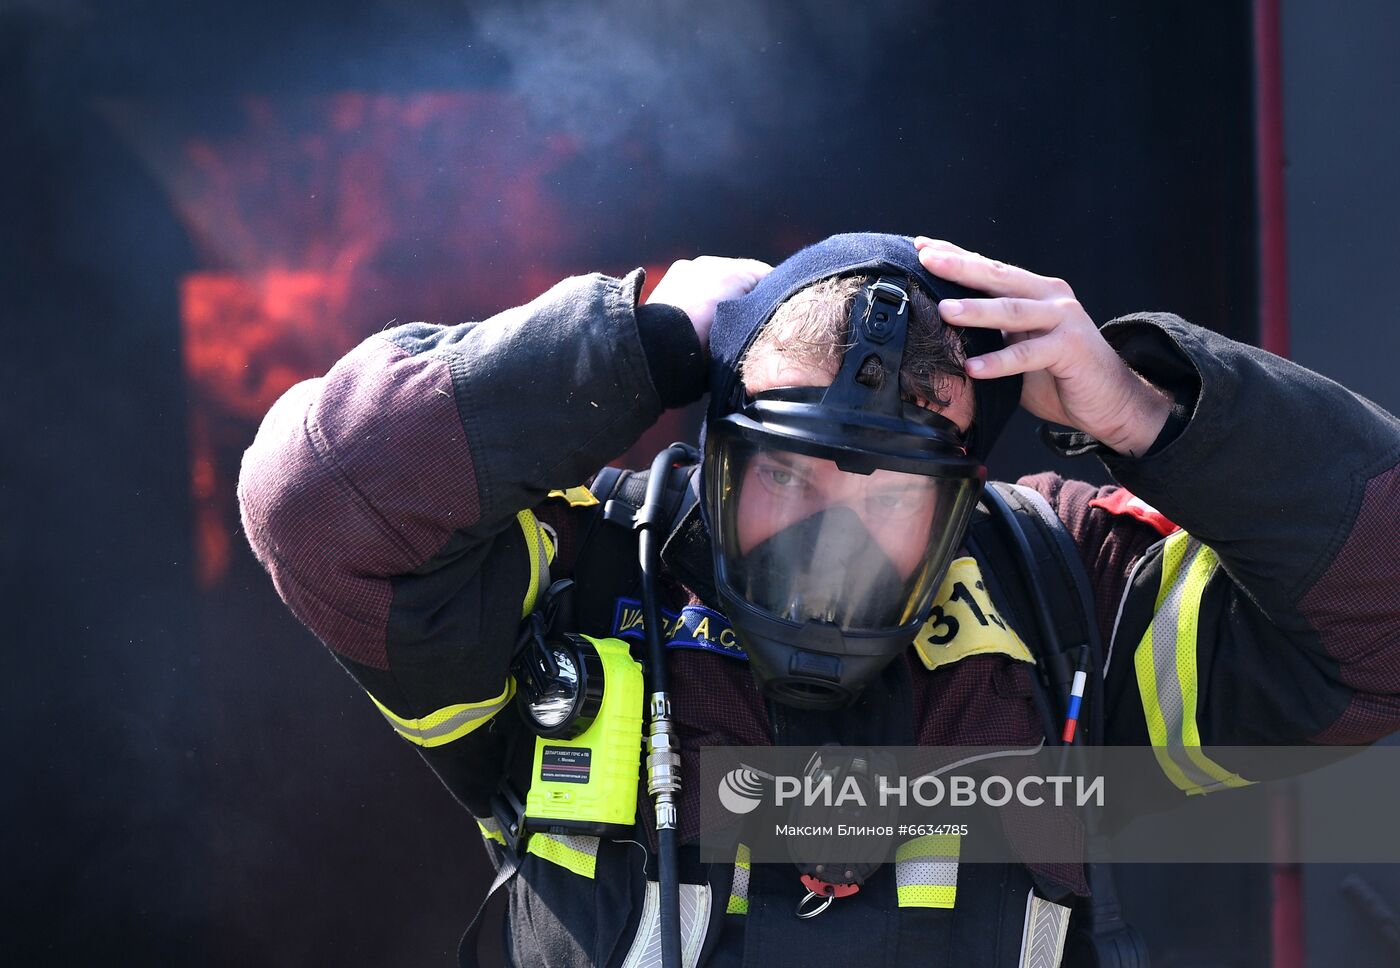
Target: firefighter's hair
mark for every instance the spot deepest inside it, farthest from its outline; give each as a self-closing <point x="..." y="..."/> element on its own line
<point x="809" y="330"/>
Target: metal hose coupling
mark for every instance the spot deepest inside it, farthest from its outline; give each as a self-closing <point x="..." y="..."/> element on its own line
<point x="663" y="761"/>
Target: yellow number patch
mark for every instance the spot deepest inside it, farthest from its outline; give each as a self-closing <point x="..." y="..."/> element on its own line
<point x="964" y="622"/>
<point x="578" y="497"/>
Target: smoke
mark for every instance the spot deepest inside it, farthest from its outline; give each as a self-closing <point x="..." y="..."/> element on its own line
<point x="704" y="82"/>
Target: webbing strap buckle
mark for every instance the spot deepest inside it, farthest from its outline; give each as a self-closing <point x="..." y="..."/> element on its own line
<point x="509" y="812"/>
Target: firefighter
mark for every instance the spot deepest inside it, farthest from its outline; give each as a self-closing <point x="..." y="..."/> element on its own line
<point x="414" y="505"/>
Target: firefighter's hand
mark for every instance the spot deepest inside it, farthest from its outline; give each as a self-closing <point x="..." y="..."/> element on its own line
<point x="696" y="285"/>
<point x="1070" y="374"/>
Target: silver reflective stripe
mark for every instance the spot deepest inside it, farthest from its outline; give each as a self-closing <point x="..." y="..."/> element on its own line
<point x="741" y="882"/>
<point x="926" y="871"/>
<point x="1165" y="647"/>
<point x="695" y="918"/>
<point x="448" y="725"/>
<point x="739" y="890"/>
<point x="1044" y="933"/>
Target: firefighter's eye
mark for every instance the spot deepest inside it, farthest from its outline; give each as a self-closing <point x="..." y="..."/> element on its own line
<point x="898" y="503"/>
<point x="781" y="478"/>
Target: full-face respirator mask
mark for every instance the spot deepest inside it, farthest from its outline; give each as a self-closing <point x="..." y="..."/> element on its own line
<point x="835" y="511"/>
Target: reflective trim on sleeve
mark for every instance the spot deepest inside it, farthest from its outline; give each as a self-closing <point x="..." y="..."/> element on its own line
<point x="739" y="893"/>
<point x="1167" y="674"/>
<point x="541" y="552"/>
<point x="926" y="871"/>
<point x="575" y="853"/>
<point x="449" y="723"/>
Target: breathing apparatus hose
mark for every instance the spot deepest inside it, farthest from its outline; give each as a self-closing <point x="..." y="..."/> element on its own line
<point x="663" y="750"/>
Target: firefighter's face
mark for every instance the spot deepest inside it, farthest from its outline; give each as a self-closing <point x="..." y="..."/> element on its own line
<point x="782" y="489"/>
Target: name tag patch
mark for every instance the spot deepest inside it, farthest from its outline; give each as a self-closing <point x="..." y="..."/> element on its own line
<point x="963" y="623"/>
<point x="695" y="627"/>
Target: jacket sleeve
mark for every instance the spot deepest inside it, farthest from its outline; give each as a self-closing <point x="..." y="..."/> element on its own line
<point x="396" y="502"/>
<point x="1273" y="615"/>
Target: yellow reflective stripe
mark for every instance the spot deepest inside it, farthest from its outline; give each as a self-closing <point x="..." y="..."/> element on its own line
<point x="928" y="896"/>
<point x="739" y="893"/>
<point x="1198" y="574"/>
<point x="926" y="871"/>
<point x="934" y="845"/>
<point x="1167" y="672"/>
<point x="547" y="537"/>
<point x="541" y="552"/>
<point x="491" y="830"/>
<point x="449" y="723"/>
<point x="578" y="497"/>
<point x="577" y="854"/>
<point x="1188" y="620"/>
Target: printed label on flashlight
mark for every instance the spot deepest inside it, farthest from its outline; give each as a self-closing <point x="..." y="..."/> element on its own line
<point x="565" y="764"/>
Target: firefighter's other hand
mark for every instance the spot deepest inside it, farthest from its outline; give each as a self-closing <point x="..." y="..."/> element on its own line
<point x="1070" y="374"/>
<point x="696" y="285"/>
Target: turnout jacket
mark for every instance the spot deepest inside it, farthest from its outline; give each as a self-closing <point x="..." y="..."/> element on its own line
<point x="412" y="504"/>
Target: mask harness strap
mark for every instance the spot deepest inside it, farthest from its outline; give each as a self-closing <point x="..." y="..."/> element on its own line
<point x="869" y="376"/>
<point x="663" y="750"/>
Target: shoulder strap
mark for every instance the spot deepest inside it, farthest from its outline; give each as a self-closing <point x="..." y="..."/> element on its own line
<point x="1021" y="535"/>
<point x="1022" y="531"/>
<point x="467" y="955"/>
<point x="606" y="481"/>
<point x="1072" y="605"/>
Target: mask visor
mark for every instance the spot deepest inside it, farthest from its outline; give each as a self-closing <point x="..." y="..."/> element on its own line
<point x="803" y="540"/>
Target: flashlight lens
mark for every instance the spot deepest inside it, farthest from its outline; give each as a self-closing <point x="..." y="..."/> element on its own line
<point x="553" y="708"/>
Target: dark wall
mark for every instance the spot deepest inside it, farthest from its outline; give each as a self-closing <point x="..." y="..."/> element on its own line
<point x="1341" y="82"/>
<point x="103" y="700"/>
<point x="192" y="780"/>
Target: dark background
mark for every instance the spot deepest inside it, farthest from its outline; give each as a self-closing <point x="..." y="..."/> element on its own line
<point x="203" y="204"/>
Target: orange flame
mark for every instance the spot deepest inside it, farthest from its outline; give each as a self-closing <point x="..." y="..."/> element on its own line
<point x="317" y="219"/>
